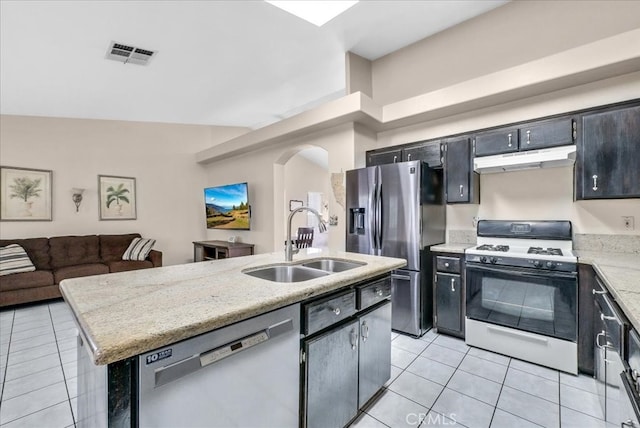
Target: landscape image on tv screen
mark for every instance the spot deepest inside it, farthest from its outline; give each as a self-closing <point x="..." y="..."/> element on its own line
<point x="227" y="207"/>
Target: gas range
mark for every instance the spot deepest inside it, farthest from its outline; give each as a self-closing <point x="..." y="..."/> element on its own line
<point x="539" y="245"/>
<point x="522" y="292"/>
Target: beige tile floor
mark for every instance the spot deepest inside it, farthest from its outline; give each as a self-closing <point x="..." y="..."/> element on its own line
<point x="436" y="381"/>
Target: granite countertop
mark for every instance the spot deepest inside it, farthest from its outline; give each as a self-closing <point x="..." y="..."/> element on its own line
<point x="128" y="313"/>
<point x="451" y="247"/>
<point x="620" y="273"/>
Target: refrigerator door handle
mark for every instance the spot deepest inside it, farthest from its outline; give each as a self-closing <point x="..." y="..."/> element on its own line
<point x="378" y="243"/>
<point x="374" y="212"/>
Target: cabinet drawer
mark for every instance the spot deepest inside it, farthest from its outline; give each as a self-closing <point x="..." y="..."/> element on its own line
<point x="547" y="133"/>
<point x="496" y="142"/>
<point x="448" y="264"/>
<point x="323" y="313"/>
<point x="370" y="294"/>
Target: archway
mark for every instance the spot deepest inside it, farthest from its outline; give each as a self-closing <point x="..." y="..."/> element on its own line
<point x="301" y="177"/>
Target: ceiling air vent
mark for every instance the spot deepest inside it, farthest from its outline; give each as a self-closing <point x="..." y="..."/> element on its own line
<point x="129" y="54"/>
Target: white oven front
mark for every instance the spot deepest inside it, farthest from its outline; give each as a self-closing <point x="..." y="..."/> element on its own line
<point x="524" y="313"/>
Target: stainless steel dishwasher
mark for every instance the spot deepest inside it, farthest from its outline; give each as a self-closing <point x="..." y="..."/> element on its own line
<point x="243" y="375"/>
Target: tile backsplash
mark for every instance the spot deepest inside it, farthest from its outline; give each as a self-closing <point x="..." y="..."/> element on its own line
<point x="607" y="243"/>
<point x="462" y="236"/>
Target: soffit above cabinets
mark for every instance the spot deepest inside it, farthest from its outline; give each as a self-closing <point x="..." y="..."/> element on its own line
<point x="585" y="64"/>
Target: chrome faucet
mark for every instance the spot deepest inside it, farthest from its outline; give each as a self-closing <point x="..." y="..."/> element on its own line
<point x="289" y="251"/>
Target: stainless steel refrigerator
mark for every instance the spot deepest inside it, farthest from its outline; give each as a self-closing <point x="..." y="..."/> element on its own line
<point x="398" y="210"/>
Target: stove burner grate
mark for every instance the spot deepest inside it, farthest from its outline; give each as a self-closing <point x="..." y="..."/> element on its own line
<point x="545" y="251"/>
<point x="490" y="247"/>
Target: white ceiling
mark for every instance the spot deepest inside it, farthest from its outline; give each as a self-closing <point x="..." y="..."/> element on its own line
<point x="235" y="63"/>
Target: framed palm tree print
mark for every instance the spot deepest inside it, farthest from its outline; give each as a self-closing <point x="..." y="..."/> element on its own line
<point x="117" y="197"/>
<point x="25" y="194"/>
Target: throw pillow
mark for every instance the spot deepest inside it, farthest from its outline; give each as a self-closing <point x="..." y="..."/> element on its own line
<point x="138" y="249"/>
<point x="14" y="259"/>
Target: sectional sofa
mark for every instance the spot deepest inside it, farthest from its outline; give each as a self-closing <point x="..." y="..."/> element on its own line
<point x="63" y="257"/>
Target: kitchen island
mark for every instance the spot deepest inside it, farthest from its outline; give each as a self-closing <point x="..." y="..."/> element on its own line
<point x="125" y="315"/>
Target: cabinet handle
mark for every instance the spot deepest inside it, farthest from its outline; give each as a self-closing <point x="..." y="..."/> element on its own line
<point x="354" y="338"/>
<point x="528" y="137"/>
<point x="628" y="423"/>
<point x="461" y="190"/>
<point x="446" y="264"/>
<point x="336" y="311"/>
<point x="408" y="156"/>
<point x="594" y="292"/>
<point x="595" y="182"/>
<point x="603" y="317"/>
<point x="509" y="140"/>
<point x="364" y="331"/>
<point x="395" y="159"/>
<point x="453" y="285"/>
<point x="378" y="292"/>
<point x="602" y="333"/>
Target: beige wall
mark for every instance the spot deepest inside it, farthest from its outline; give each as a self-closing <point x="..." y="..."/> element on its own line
<point x="513" y="34"/>
<point x="519" y="32"/>
<point x="264" y="170"/>
<point x="169" y="182"/>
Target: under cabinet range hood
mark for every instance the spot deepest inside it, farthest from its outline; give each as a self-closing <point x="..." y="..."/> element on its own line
<point x="531" y="159"/>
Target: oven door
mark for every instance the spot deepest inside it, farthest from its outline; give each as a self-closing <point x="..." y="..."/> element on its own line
<point x="543" y="302"/>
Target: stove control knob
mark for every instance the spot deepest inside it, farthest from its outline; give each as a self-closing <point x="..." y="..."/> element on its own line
<point x="551" y="265"/>
<point x="537" y="263"/>
<point x="483" y="259"/>
<point x="494" y="260"/>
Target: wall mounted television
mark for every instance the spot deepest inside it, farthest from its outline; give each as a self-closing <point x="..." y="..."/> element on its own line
<point x="227" y="207"/>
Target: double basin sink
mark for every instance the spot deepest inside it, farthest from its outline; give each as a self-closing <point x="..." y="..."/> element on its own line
<point x="304" y="271"/>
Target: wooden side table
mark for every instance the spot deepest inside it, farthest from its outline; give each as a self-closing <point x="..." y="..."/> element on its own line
<point x="215" y="250"/>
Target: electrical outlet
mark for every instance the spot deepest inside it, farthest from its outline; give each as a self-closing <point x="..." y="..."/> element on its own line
<point x="628" y="222"/>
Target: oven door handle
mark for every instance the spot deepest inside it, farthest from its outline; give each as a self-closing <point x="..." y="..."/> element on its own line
<point x="519" y="272"/>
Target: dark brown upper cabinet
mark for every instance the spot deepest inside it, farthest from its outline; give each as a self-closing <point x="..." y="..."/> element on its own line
<point x="429" y="152"/>
<point x="383" y="157"/>
<point x="608" y="161"/>
<point x="527" y="136"/>
<point x="547" y="133"/>
<point x="462" y="184"/>
<point x="497" y="141"/>
<point x="426" y="151"/>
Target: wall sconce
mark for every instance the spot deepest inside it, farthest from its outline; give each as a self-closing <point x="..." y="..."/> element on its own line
<point x="77" y="197"/>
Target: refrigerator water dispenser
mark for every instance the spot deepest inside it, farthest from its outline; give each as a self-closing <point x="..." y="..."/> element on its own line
<point x="356" y="221"/>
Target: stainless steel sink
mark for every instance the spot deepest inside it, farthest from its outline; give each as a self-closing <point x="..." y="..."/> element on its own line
<point x="287" y="273"/>
<point x="331" y="265"/>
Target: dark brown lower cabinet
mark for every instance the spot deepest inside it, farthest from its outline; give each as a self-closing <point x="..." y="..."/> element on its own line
<point x="586" y="343"/>
<point x="449" y="294"/>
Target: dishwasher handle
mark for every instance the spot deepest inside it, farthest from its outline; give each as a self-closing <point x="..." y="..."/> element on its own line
<point x="166" y="374"/>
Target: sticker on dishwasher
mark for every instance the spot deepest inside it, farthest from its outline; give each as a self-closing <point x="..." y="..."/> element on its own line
<point x="166" y="353"/>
